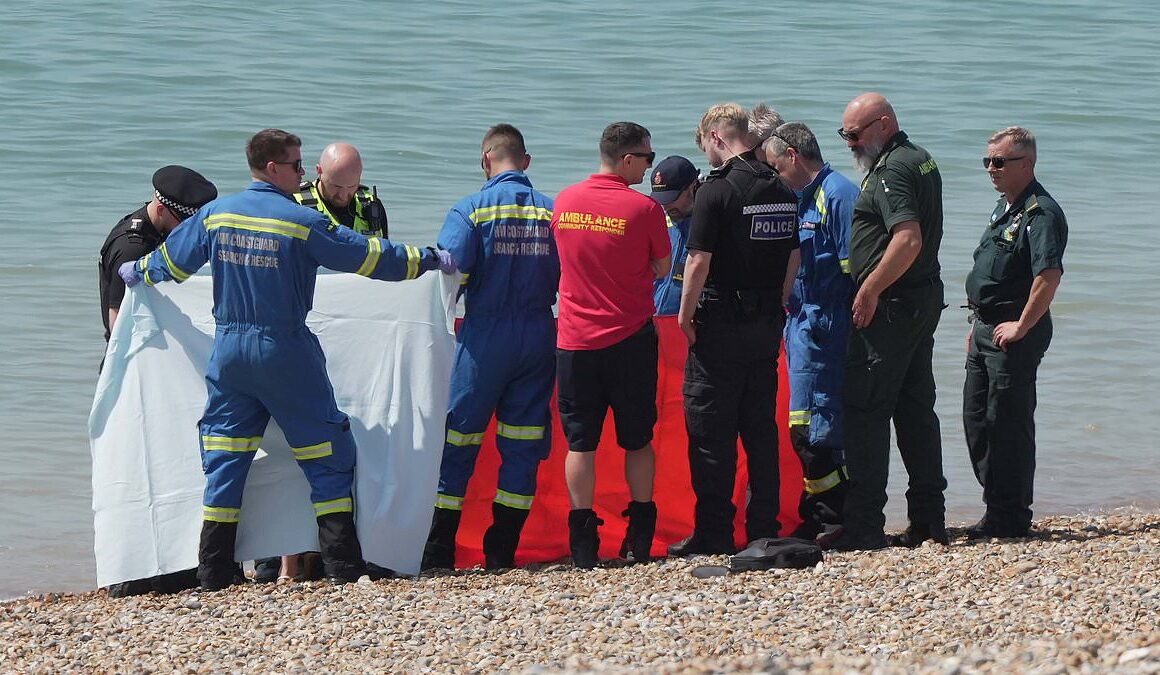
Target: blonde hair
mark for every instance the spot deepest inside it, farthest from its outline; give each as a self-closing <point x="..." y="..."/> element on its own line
<point x="727" y="118"/>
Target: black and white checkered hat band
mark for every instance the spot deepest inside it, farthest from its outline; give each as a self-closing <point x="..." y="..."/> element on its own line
<point x="186" y="211"/>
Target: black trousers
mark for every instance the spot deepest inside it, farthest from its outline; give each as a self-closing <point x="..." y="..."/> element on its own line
<point x="999" y="419"/>
<point x="889" y="377"/>
<point x="730" y="390"/>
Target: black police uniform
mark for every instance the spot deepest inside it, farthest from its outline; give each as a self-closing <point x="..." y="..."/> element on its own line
<point x="999" y="391"/>
<point x="747" y="218"/>
<point x="888" y="363"/>
<point x="132" y="237"/>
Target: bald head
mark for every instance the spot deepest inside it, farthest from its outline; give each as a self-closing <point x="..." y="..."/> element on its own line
<point x="339" y="173"/>
<point x="867" y="126"/>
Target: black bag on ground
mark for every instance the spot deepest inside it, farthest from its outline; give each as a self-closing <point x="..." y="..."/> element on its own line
<point x="782" y="552"/>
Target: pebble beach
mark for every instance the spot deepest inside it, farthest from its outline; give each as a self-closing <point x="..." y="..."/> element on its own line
<point x="1081" y="595"/>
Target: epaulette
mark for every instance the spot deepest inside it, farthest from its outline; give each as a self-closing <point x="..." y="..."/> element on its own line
<point x="1031" y="205"/>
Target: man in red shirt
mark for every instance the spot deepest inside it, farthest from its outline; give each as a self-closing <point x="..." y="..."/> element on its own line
<point x="612" y="243"/>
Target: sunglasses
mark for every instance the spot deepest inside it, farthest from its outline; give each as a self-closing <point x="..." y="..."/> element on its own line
<point x="297" y="164"/>
<point x="998" y="162"/>
<point x="851" y="136"/>
<point x="650" y="156"/>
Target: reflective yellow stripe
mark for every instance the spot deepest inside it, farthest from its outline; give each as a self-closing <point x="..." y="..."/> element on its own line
<point x="518" y="433"/>
<point x="315" y="451"/>
<point x="513" y="500"/>
<point x="145" y="269"/>
<point x="374" y="251"/>
<point x="827" y="482"/>
<point x="456" y="438"/>
<point x="799" y="418"/>
<point x="463" y="281"/>
<point x="269" y="225"/>
<point x="228" y="444"/>
<point x="845" y="265"/>
<point x="412" y="262"/>
<point x="179" y="275"/>
<point x="221" y="514"/>
<point x="344" y="505"/>
<point x="509" y="211"/>
<point x="820" y="203"/>
<point x="449" y="502"/>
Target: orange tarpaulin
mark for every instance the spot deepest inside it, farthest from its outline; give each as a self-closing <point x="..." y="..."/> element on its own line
<point x="545" y="537"/>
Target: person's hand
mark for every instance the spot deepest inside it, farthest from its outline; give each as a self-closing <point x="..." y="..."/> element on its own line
<point x="1008" y="332"/>
<point x="129" y="274"/>
<point x="446" y="262"/>
<point x="864" y="307"/>
<point x="687" y="327"/>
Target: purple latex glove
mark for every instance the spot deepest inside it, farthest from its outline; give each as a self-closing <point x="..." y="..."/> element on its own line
<point x="129" y="274"/>
<point x="446" y="262"/>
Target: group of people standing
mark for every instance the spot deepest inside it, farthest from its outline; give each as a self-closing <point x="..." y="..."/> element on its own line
<point x="771" y="242"/>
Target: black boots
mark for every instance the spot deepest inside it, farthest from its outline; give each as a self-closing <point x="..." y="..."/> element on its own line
<point x="439" y="552"/>
<point x="698" y="543"/>
<point x="638" y="538"/>
<point x="341" y="556"/>
<point x="917" y="533"/>
<point x="216" y="568"/>
<point x="502" y="538"/>
<point x="582" y="538"/>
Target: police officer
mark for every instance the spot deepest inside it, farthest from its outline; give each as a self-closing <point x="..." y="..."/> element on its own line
<point x="505" y="362"/>
<point x="338" y="193"/>
<point x="894" y="240"/>
<point x="674" y="186"/>
<point x="177" y="193"/>
<point x="264" y="250"/>
<point x="1018" y="266"/>
<point x="742" y="259"/>
<point x="818" y="325"/>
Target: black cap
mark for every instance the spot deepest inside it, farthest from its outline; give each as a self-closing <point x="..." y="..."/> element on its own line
<point x="671" y="176"/>
<point x="182" y="190"/>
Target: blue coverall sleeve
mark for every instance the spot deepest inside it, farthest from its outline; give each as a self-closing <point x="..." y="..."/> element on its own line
<point x="341" y="248"/>
<point x="461" y="238"/>
<point x="183" y="253"/>
<point x="841" y="210"/>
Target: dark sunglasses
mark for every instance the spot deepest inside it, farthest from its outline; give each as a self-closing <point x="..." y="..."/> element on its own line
<point x="998" y="162"/>
<point x="650" y="156"/>
<point x="849" y="135"/>
<point x="297" y="164"/>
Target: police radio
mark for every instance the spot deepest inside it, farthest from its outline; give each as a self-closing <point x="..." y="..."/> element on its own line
<point x="376" y="213"/>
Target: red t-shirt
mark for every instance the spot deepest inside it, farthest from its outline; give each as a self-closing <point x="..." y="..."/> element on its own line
<point x="607" y="234"/>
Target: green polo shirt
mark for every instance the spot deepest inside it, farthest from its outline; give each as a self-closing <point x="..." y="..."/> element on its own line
<point x="1022" y="240"/>
<point x="903" y="185"/>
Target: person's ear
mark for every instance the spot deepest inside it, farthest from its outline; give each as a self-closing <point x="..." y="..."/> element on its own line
<point x="527" y="162"/>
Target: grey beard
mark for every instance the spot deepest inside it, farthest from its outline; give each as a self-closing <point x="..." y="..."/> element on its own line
<point x="863" y="158"/>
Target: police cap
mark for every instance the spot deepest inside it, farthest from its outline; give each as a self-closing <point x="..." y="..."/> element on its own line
<point x="182" y="190"/>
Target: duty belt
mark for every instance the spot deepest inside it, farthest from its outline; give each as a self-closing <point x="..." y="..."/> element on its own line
<point x="992" y="315"/>
<point x="740" y="305"/>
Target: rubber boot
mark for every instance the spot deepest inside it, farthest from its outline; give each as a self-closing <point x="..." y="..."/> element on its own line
<point x="502" y="538"/>
<point x="341" y="555"/>
<point x="638" y="538"/>
<point x="216" y="568"/>
<point x="583" y="539"/>
<point x="439" y="553"/>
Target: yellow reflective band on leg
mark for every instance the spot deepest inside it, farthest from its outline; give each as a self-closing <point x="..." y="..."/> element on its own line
<point x="827" y="482"/>
<point x="179" y="275"/>
<point x="315" y="451"/>
<point x="374" y="251"/>
<point x="511" y="499"/>
<point x="799" y="418"/>
<point x="344" y="505"/>
<point x="221" y="514"/>
<point x="449" y="502"/>
<point x="844" y="264"/>
<point x="227" y="444"/>
<point x="518" y="433"/>
<point x="463" y="281"/>
<point x="456" y="438"/>
<point x="412" y="262"/>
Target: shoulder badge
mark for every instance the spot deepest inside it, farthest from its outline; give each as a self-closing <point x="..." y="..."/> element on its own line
<point x="1031" y="205"/>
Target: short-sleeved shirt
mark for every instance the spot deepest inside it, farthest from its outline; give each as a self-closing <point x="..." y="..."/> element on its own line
<point x="607" y="235"/>
<point x="132" y="237"/>
<point x="747" y="218"/>
<point x="1021" y="241"/>
<point x="904" y="184"/>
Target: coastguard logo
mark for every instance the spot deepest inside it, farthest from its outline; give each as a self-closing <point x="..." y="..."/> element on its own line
<point x="658" y="180"/>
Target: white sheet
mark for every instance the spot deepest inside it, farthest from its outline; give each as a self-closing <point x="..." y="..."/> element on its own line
<point x="389" y="349"/>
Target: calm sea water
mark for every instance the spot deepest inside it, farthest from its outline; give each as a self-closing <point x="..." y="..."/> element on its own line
<point x="95" y="96"/>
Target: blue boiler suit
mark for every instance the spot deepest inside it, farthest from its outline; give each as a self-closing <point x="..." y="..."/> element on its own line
<point x="667" y="291"/>
<point x="816" y="331"/>
<point x="264" y="251"/>
<point x="505" y="362"/>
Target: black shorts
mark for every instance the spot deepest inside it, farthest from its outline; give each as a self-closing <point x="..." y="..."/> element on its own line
<point x="623" y="377"/>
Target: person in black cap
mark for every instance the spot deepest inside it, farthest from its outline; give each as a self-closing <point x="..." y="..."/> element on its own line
<point x="177" y="193"/>
<point x="674" y="184"/>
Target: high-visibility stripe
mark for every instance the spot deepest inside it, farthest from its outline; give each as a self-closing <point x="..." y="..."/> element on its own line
<point x="820" y="203"/>
<point x="228" y="444"/>
<point x="235" y="221"/>
<point x="500" y="211"/>
<point x="827" y="482"/>
<point x="512" y="500"/>
<point x="179" y="275"/>
<point x="344" y="505"/>
<point x="221" y="514"/>
<point x="145" y="269"/>
<point x="799" y="418"/>
<point x="449" y="502"/>
<point x="844" y="264"/>
<point x="519" y="433"/>
<point x="412" y="261"/>
<point x="456" y="438"/>
<point x="374" y="251"/>
<point x="463" y="280"/>
<point x="316" y="451"/>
